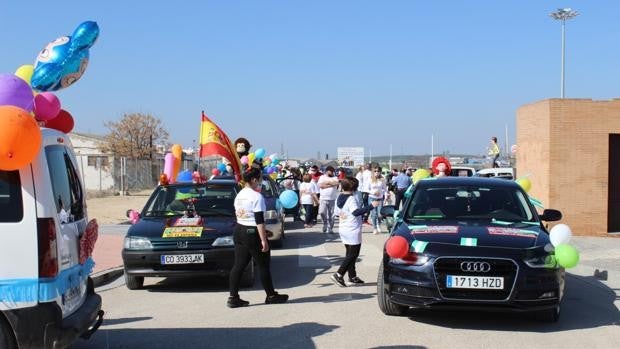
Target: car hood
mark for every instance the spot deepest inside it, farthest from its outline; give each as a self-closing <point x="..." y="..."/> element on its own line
<point x="153" y="227"/>
<point x="520" y="236"/>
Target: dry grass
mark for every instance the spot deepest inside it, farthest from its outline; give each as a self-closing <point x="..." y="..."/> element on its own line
<point x="113" y="209"/>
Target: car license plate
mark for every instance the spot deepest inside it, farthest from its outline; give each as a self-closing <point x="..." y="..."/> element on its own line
<point x="182" y="258"/>
<point x="477" y="282"/>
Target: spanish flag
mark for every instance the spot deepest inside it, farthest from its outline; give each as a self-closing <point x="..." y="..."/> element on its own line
<point x="213" y="141"/>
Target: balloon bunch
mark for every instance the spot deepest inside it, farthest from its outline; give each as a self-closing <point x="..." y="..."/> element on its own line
<point x="566" y="255"/>
<point x="172" y="164"/>
<point x="268" y="164"/>
<point x="26" y="94"/>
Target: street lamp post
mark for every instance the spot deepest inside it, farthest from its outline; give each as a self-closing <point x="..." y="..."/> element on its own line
<point x="563" y="14"/>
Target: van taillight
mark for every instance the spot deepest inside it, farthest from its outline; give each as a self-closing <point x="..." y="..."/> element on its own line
<point x="48" y="255"/>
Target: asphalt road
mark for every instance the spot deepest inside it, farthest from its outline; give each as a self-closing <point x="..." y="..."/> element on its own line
<point x="192" y="313"/>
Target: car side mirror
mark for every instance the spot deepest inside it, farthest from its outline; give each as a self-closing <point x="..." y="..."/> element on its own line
<point x="550" y="215"/>
<point x="387" y="211"/>
<point x="133" y="215"/>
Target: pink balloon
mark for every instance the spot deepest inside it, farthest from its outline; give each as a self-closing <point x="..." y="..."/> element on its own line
<point x="244" y="159"/>
<point x="168" y="166"/>
<point x="46" y="106"/>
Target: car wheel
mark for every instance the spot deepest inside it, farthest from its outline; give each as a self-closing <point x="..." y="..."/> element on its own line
<point x="134" y="282"/>
<point x="6" y="335"/>
<point x="385" y="304"/>
<point x="550" y="315"/>
<point x="247" y="278"/>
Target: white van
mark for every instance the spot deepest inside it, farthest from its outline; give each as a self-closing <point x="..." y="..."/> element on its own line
<point x="47" y="299"/>
<point x="499" y="172"/>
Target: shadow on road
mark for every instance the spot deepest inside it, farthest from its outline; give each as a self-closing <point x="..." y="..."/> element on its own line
<point x="125" y="320"/>
<point x="587" y="303"/>
<point x="291" y="336"/>
<point x="400" y="347"/>
<point x="334" y="297"/>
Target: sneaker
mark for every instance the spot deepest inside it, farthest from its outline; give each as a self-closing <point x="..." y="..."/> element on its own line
<point x="339" y="280"/>
<point x="276" y="298"/>
<point x="236" y="302"/>
<point x="325" y="229"/>
<point x="354" y="281"/>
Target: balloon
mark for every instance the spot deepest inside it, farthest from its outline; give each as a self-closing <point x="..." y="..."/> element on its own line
<point x="275" y="161"/>
<point x="215" y="172"/>
<point x="134" y="216"/>
<point x="267" y="161"/>
<point x="46" y="106"/>
<point x="420" y="174"/>
<point x="169" y="166"/>
<point x="15" y="91"/>
<point x="244" y="160"/>
<point x="24" y="72"/>
<point x="259" y="153"/>
<point x="251" y="157"/>
<point x="397" y="247"/>
<point x="184" y="176"/>
<point x="273" y="156"/>
<point x="270" y="170"/>
<point x="63" y="122"/>
<point x="566" y="255"/>
<point x="177" y="152"/>
<point x="221" y="167"/>
<point x="63" y="61"/>
<point x="288" y="199"/>
<point x="560" y="234"/>
<point x="525" y="183"/>
<point x="273" y="176"/>
<point x="20" y="138"/>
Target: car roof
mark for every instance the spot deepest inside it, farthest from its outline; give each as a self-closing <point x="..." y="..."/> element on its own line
<point x="481" y="181"/>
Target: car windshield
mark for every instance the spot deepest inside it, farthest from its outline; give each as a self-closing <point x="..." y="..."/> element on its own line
<point x="499" y="204"/>
<point x="208" y="200"/>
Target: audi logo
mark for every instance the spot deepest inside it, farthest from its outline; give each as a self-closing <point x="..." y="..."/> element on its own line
<point x="481" y="267"/>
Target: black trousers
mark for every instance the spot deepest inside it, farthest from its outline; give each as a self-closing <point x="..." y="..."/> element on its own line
<point x="348" y="264"/>
<point x="309" y="213"/>
<point x="400" y="193"/>
<point x="248" y="246"/>
<point x="364" y="205"/>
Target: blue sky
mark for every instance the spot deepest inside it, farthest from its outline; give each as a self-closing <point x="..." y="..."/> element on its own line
<point x="310" y="76"/>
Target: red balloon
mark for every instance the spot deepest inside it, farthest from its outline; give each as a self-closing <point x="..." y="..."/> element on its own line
<point x="397" y="247"/>
<point x="215" y="172"/>
<point x="63" y="122"/>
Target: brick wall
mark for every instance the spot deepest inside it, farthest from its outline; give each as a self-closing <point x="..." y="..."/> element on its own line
<point x="563" y="146"/>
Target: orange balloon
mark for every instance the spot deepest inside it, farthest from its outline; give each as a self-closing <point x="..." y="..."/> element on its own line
<point x="177" y="152"/>
<point x="20" y="138"/>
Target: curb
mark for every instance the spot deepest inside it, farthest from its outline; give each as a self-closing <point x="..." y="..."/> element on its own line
<point x="106" y="276"/>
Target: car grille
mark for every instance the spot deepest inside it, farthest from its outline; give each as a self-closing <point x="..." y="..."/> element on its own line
<point x="452" y="266"/>
<point x="192" y="244"/>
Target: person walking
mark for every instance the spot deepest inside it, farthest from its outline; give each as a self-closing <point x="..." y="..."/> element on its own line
<point x="378" y="192"/>
<point x="308" y="198"/>
<point x="401" y="183"/>
<point x="328" y="190"/>
<point x="494" y="152"/>
<point x="250" y="238"/>
<point x="365" y="189"/>
<point x="350" y="231"/>
<point x="316" y="174"/>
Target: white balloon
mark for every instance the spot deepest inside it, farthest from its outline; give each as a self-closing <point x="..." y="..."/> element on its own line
<point x="560" y="234"/>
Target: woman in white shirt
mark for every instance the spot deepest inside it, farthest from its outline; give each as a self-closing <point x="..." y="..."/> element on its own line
<point x="378" y="192"/>
<point x="308" y="198"/>
<point x="250" y="238"/>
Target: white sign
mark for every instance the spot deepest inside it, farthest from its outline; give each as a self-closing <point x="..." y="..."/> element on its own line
<point x="351" y="156"/>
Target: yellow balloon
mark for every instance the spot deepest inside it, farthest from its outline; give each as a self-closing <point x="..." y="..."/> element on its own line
<point x="420" y="174"/>
<point x="251" y="157"/>
<point x="525" y="183"/>
<point x="25" y="72"/>
<point x="273" y="175"/>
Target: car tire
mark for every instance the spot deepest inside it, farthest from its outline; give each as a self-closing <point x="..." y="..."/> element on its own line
<point x="385" y="304"/>
<point x="134" y="282"/>
<point x="7" y="340"/>
<point x="550" y="315"/>
<point x="247" y="278"/>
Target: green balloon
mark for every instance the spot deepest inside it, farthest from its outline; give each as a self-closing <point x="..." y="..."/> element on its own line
<point x="566" y="255"/>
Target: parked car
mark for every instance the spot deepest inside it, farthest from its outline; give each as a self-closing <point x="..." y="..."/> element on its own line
<point x="462" y="171"/>
<point x="185" y="229"/>
<point x="47" y="299"/>
<point x="476" y="243"/>
<point x="274" y="216"/>
<point x="499" y="172"/>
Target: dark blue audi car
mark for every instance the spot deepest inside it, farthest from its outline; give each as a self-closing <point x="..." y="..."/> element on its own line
<point x="185" y="229"/>
<point x="473" y="243"/>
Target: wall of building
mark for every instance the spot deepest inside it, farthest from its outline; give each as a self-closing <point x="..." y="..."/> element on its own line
<point x="98" y="174"/>
<point x="564" y="144"/>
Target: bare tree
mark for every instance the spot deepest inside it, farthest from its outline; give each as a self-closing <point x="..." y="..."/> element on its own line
<point x="135" y="136"/>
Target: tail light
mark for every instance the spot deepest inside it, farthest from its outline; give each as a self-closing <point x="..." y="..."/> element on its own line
<point x="48" y="253"/>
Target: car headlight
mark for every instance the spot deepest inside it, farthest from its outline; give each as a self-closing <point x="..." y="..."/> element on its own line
<point x="271" y="214"/>
<point x="411" y="258"/>
<point x="137" y="243"/>
<point x="223" y="241"/>
<point x="547" y="261"/>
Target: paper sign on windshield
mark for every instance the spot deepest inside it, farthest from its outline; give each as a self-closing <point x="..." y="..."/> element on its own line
<point x="182" y="232"/>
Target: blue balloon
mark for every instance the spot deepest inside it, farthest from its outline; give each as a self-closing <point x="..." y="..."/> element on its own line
<point x="222" y="168"/>
<point x="259" y="153"/>
<point x="184" y="176"/>
<point x="288" y="198"/>
<point x="63" y="61"/>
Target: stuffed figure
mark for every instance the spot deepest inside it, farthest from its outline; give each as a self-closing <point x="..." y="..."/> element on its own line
<point x="242" y="146"/>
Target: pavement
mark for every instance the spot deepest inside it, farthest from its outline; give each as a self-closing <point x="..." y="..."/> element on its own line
<point x="599" y="256"/>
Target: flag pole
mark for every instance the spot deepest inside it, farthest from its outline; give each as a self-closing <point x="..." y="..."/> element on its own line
<point x="200" y="140"/>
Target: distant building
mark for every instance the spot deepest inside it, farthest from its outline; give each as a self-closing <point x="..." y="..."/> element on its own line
<point x="95" y="166"/>
<point x="570" y="149"/>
